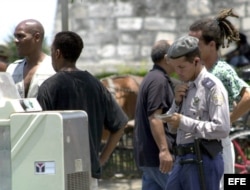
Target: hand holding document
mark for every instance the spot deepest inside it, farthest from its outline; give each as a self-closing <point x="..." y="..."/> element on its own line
<point x="172" y="119"/>
<point x="163" y="116"/>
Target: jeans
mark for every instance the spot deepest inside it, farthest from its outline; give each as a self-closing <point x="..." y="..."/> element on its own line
<point x="187" y="177"/>
<point x="153" y="179"/>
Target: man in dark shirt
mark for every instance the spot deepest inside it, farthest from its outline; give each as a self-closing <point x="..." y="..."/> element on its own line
<point x="152" y="140"/>
<point x="73" y="89"/>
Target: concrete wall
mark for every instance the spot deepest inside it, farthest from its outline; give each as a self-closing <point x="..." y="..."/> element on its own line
<point x="121" y="32"/>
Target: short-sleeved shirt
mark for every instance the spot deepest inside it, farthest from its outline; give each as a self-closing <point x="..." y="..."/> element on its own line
<point x="79" y="90"/>
<point x="44" y="71"/>
<point x="230" y="80"/>
<point x="155" y="92"/>
<point x="204" y="109"/>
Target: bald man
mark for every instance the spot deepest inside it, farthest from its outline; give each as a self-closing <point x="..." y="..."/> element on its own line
<point x="35" y="66"/>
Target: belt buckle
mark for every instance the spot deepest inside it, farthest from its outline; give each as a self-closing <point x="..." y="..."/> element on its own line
<point x="191" y="149"/>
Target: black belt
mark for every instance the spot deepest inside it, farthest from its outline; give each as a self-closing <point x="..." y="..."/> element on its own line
<point x="182" y="150"/>
<point x="210" y="147"/>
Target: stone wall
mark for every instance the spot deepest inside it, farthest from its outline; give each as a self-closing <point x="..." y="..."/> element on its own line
<point x="121" y="32"/>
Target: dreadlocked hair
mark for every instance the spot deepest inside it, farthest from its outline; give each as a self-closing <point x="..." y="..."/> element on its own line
<point x="228" y="31"/>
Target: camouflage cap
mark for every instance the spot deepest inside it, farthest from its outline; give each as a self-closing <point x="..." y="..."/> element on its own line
<point x="182" y="46"/>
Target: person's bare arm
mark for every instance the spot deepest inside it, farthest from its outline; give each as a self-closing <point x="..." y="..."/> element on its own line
<point x="3" y="66"/>
<point x="243" y="105"/>
<point x="110" y="145"/>
<point x="157" y="129"/>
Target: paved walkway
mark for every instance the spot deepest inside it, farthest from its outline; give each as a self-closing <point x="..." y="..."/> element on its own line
<point x="120" y="184"/>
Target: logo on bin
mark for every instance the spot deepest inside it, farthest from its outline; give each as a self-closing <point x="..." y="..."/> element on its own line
<point x="45" y="167"/>
<point x="40" y="167"/>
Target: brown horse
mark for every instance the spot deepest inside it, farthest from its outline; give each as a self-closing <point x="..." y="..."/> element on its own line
<point x="125" y="90"/>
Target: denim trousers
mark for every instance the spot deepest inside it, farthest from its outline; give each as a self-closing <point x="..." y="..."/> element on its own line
<point x="187" y="177"/>
<point x="153" y="179"/>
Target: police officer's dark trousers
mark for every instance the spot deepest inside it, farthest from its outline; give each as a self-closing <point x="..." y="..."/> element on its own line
<point x="186" y="176"/>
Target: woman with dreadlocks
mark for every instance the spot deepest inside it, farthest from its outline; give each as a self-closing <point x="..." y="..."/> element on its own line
<point x="213" y="34"/>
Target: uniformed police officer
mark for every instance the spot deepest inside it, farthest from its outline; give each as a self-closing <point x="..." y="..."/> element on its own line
<point x="200" y="111"/>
